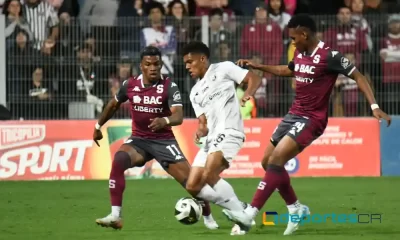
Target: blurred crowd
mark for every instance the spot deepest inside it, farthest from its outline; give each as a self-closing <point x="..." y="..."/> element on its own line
<point x="67" y="58"/>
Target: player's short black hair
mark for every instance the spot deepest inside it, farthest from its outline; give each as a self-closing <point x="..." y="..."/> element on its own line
<point x="303" y="20"/>
<point x="196" y="47"/>
<point x="150" y="51"/>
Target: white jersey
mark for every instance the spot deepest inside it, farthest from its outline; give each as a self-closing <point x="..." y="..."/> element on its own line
<point x="215" y="97"/>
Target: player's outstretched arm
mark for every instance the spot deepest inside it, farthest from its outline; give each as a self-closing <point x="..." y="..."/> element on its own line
<point x="365" y="87"/>
<point x="339" y="64"/>
<point x="278" y="70"/>
<point x="253" y="83"/>
<point x="109" y="111"/>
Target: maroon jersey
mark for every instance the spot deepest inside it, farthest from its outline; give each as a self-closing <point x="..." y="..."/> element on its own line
<point x="148" y="103"/>
<point x="391" y="64"/>
<point x="315" y="76"/>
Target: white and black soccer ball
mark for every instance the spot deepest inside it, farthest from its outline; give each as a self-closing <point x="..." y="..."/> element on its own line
<point x="188" y="211"/>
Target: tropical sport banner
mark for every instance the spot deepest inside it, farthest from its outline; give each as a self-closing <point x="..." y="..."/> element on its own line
<point x="64" y="150"/>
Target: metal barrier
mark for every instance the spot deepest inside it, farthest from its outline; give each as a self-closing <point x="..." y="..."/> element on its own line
<point x="78" y="75"/>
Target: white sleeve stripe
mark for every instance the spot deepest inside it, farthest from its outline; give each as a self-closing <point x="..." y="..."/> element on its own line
<point x="116" y="98"/>
<point x="176" y="104"/>
<point x="351" y="71"/>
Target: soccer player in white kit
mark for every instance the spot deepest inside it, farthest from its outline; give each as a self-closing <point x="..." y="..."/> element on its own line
<point x="217" y="107"/>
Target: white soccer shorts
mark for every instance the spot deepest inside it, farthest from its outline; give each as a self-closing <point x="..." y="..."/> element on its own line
<point x="229" y="143"/>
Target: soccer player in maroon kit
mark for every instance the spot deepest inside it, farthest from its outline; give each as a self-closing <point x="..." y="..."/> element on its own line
<point x="156" y="105"/>
<point x="315" y="67"/>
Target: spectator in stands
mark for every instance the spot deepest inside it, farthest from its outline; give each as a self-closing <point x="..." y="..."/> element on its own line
<point x="262" y="36"/>
<point x="131" y="20"/>
<point x="19" y="59"/>
<point x="124" y="71"/>
<point x="160" y="35"/>
<point x="21" y="47"/>
<point x="166" y="4"/>
<point x="89" y="85"/>
<point x="15" y="22"/>
<point x="101" y="16"/>
<point x="56" y="3"/>
<point x="99" y="13"/>
<point x="37" y="99"/>
<point x="224" y="52"/>
<point x="290" y="5"/>
<point x="69" y="6"/>
<point x="39" y="88"/>
<point x="276" y="12"/>
<point x="69" y="36"/>
<point x="216" y="32"/>
<point x="204" y="7"/>
<point x="345" y="37"/>
<point x="43" y="22"/>
<point x="390" y="55"/>
<point x="375" y="7"/>
<point x="358" y="20"/>
<point x="179" y="17"/>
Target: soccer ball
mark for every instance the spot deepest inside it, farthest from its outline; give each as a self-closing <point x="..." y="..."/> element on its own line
<point x="188" y="211"/>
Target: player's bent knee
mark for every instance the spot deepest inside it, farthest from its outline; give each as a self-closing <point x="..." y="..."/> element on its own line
<point x="275" y="160"/>
<point x="264" y="162"/>
<point x="193" y="187"/>
<point x="122" y="159"/>
<point x="211" y="177"/>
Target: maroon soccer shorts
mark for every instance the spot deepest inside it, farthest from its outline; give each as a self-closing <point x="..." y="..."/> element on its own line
<point x="301" y="129"/>
<point x="163" y="151"/>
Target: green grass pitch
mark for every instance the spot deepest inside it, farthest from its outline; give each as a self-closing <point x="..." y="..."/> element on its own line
<point x="66" y="210"/>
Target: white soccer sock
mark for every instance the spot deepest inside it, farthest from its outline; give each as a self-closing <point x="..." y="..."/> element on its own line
<point x="208" y="218"/>
<point x="208" y="194"/>
<point x="294" y="205"/>
<point x="225" y="190"/>
<point x="116" y="211"/>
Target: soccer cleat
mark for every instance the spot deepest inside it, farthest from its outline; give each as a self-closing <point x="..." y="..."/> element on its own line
<point x="210" y="223"/>
<point x="241" y="218"/>
<point x="110" y="221"/>
<point x="302" y="211"/>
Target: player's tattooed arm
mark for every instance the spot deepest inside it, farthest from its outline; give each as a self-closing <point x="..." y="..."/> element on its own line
<point x="339" y="64"/>
<point x="278" y="70"/>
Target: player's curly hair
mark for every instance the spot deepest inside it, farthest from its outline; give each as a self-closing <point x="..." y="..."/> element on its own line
<point x="303" y="20"/>
<point x="196" y="47"/>
<point x="150" y="51"/>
